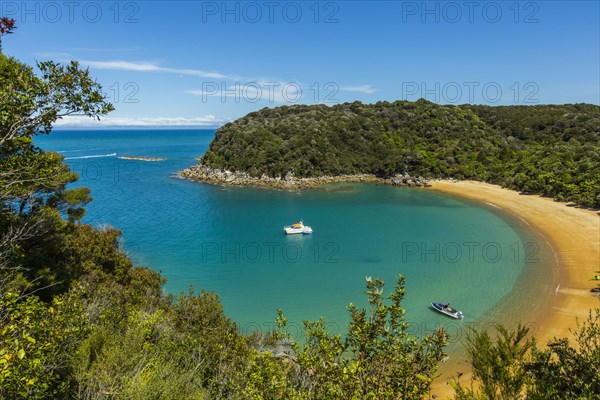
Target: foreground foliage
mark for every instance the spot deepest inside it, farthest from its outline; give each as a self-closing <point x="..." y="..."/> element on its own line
<point x="378" y="359"/>
<point x="551" y="150"/>
<point x="511" y="366"/>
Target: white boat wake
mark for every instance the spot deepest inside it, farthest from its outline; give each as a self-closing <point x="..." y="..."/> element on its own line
<point x="92" y="156"/>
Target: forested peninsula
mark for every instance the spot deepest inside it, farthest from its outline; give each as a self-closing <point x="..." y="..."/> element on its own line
<point x="552" y="150"/>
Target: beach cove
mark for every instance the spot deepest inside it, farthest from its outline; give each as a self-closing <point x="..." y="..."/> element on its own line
<point x="573" y="235"/>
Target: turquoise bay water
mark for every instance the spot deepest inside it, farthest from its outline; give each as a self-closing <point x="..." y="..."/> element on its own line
<point x="230" y="240"/>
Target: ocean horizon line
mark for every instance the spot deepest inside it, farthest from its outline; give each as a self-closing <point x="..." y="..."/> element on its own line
<point x="132" y="128"/>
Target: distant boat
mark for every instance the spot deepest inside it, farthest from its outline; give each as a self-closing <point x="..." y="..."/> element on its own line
<point x="298" y="227"/>
<point x="444" y="308"/>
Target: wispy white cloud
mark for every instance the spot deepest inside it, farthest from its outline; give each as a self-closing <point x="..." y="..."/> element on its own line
<point x="60" y="55"/>
<point x="367" y="89"/>
<point x="252" y="92"/>
<point x="272" y="90"/>
<point x="144" y="66"/>
<point x="248" y="89"/>
<point x="81" y="121"/>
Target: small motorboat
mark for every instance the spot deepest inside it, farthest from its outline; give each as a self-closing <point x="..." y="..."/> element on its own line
<point x="445" y="308"/>
<point x="298" y="227"/>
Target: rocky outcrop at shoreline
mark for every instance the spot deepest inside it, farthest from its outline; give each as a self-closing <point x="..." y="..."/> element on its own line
<point x="207" y="174"/>
<point x="407" y="180"/>
<point x="142" y="158"/>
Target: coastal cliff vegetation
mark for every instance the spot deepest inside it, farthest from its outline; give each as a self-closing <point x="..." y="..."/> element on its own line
<point x="79" y="321"/>
<point x="553" y="150"/>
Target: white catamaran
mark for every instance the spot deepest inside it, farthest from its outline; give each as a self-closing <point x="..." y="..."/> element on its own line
<point x="298" y="227"/>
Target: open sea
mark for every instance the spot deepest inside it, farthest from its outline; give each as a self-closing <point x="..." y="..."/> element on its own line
<point x="230" y="240"/>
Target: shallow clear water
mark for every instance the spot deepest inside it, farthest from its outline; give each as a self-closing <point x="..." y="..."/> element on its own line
<point x="230" y="240"/>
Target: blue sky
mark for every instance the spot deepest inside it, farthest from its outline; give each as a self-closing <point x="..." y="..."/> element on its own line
<point x="203" y="63"/>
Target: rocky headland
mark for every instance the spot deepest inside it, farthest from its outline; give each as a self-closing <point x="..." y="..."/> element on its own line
<point x="210" y="175"/>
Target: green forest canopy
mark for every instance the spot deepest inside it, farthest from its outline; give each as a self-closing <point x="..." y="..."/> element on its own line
<point x="553" y="150"/>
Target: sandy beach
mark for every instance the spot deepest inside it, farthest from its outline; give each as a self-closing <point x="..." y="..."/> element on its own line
<point x="574" y="236"/>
